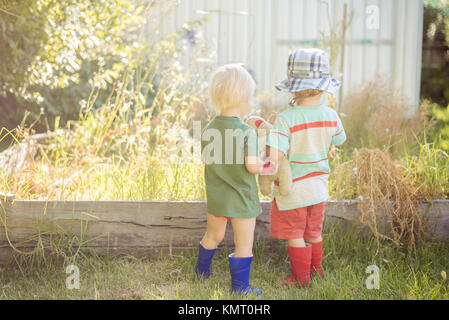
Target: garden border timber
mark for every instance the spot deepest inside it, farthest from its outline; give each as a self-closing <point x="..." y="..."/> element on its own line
<point x="137" y="226"/>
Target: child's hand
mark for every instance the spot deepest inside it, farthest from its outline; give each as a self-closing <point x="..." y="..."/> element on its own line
<point x="255" y="165"/>
<point x="268" y="168"/>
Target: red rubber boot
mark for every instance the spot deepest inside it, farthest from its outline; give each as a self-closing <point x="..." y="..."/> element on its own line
<point x="300" y="260"/>
<point x="317" y="259"/>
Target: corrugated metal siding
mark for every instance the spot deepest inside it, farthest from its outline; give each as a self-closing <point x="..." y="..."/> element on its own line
<point x="260" y="33"/>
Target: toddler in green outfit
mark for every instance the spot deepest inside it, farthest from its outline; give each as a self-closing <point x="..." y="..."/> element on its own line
<point x="230" y="153"/>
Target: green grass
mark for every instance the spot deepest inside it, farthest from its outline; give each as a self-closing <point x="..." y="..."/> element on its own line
<point x="162" y="276"/>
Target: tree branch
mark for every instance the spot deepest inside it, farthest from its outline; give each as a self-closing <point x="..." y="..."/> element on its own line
<point x="7" y="12"/>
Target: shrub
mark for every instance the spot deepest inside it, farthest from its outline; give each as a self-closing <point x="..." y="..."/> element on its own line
<point x="132" y="145"/>
<point x="54" y="48"/>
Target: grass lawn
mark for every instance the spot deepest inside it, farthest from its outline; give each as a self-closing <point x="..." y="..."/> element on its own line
<point x="163" y="276"/>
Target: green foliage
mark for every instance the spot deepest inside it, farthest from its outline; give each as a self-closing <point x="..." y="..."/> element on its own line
<point x="136" y="134"/>
<point x="53" y="49"/>
<point x="435" y="69"/>
<point x="437" y="4"/>
<point x="441" y="131"/>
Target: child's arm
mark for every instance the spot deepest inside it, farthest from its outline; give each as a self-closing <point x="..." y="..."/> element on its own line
<point x="254" y="165"/>
<point x="339" y="136"/>
<point x="278" y="141"/>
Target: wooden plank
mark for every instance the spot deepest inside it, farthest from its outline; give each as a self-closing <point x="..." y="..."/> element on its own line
<point x="129" y="226"/>
<point x="7" y="197"/>
<point x="118" y="223"/>
<point x="437" y="215"/>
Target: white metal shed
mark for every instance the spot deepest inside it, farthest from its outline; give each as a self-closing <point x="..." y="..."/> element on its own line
<point x="260" y="33"/>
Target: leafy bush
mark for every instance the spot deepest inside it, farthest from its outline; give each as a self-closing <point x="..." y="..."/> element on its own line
<point x="131" y="146"/>
<point x="435" y="68"/>
<point x="54" y="48"/>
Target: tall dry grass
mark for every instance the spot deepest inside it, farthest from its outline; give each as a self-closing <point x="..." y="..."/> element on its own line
<point x="387" y="200"/>
<point x="387" y="164"/>
<point x="375" y="115"/>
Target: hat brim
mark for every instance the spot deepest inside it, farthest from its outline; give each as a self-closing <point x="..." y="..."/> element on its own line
<point x="327" y="84"/>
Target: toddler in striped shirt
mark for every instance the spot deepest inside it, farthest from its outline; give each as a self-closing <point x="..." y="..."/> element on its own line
<point x="304" y="133"/>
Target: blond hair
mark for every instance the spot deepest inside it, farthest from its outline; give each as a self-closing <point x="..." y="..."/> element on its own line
<point x="307" y="93"/>
<point x="230" y="85"/>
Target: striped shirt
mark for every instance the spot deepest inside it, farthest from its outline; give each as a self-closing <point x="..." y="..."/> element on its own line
<point x="305" y="134"/>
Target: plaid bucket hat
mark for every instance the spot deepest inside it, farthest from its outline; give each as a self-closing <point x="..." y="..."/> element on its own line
<point x="308" y="69"/>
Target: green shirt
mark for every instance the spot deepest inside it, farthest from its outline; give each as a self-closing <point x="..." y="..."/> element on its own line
<point x="230" y="189"/>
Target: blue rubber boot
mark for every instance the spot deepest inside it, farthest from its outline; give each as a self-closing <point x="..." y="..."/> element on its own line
<point x="205" y="256"/>
<point x="240" y="268"/>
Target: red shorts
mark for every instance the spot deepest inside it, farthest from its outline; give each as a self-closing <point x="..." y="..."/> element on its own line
<point x="306" y="222"/>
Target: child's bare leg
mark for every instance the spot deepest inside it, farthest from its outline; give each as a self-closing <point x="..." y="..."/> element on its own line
<point x="216" y="228"/>
<point x="316" y="240"/>
<point x="297" y="243"/>
<point x="243" y="236"/>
